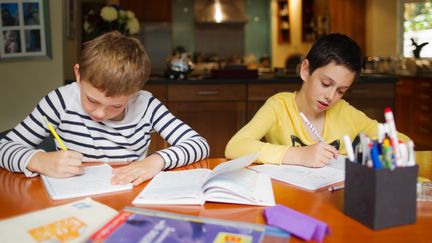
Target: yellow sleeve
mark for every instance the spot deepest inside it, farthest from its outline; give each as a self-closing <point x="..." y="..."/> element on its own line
<point x="248" y="139"/>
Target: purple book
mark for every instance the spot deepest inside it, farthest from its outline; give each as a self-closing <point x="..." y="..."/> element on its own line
<point x="140" y="225"/>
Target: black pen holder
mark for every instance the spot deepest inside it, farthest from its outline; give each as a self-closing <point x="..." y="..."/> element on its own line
<point x="380" y="198"/>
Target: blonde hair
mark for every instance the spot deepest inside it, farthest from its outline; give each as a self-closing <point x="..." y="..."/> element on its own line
<point x="115" y="64"/>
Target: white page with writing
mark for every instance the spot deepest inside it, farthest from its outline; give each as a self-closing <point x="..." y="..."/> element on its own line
<point x="306" y="177"/>
<point x="338" y="163"/>
<point x="175" y="187"/>
<point x="95" y="180"/>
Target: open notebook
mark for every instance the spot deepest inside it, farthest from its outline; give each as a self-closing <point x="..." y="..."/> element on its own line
<point x="306" y="177"/>
<point x="228" y="182"/>
<point x="95" y="180"/>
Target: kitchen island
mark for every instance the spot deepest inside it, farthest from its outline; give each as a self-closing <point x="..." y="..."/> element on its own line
<point x="218" y="108"/>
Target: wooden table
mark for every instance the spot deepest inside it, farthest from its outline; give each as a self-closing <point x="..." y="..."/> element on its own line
<point x="22" y="195"/>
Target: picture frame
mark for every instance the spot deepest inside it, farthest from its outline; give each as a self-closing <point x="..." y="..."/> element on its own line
<point x="24" y="30"/>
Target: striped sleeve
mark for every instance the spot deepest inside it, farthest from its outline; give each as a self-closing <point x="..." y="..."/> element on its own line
<point x="19" y="145"/>
<point x="187" y="146"/>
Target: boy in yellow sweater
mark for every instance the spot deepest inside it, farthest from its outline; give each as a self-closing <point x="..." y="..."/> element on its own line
<point x="329" y="69"/>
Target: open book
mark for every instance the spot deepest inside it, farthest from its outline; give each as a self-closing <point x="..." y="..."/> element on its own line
<point x="306" y="177"/>
<point x="95" y="180"/>
<point x="229" y="182"/>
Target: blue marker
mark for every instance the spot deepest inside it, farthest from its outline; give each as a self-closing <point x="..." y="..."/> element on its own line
<point x="376" y="162"/>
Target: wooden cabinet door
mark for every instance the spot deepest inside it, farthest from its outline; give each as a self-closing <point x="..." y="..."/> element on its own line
<point x="215" y="111"/>
<point x="259" y="93"/>
<point x="404" y="106"/>
<point x="422" y="115"/>
<point x="149" y="11"/>
<point x="215" y="121"/>
<point x="372" y="98"/>
<point x="348" y="17"/>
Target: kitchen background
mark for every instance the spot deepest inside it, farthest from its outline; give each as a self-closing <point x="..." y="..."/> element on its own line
<point x="270" y="31"/>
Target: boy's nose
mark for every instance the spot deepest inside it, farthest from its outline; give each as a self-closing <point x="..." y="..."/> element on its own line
<point x="99" y="113"/>
<point x="330" y="94"/>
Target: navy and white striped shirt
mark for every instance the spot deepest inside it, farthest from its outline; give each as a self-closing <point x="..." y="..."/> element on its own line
<point x="108" y="141"/>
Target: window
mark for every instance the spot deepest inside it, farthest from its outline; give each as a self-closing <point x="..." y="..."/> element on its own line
<point x="417" y="28"/>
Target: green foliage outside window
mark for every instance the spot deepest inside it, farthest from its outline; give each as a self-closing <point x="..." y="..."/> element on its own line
<point x="418" y="16"/>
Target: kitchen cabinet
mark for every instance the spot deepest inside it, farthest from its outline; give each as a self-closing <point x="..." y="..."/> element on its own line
<point x="218" y="109"/>
<point x="149" y="11"/>
<point x="215" y="111"/>
<point x="372" y="98"/>
<point x="348" y="17"/>
<point x="259" y="93"/>
<point x="404" y="106"/>
<point x="414" y="110"/>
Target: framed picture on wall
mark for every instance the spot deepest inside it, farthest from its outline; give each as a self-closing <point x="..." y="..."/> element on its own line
<point x="24" y="32"/>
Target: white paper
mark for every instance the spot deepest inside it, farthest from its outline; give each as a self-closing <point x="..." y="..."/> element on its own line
<point x="228" y="182"/>
<point x="175" y="187"/>
<point x="306" y="177"/>
<point x="95" y="180"/>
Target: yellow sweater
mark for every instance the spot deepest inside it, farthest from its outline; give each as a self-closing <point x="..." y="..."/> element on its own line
<point x="279" y="122"/>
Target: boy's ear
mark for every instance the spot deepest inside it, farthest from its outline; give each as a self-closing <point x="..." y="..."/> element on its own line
<point x="76" y="72"/>
<point x="304" y="69"/>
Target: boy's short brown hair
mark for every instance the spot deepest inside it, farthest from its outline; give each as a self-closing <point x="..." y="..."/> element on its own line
<point x="115" y="64"/>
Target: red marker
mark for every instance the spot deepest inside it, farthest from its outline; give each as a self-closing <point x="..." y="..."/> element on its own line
<point x="388" y="114"/>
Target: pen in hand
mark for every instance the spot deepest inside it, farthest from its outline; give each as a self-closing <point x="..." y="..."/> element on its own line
<point x="311" y="127"/>
<point x="56" y="136"/>
<point x="314" y="131"/>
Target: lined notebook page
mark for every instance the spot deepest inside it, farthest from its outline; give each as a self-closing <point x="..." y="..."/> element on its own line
<point x="95" y="180"/>
<point x="306" y="177"/>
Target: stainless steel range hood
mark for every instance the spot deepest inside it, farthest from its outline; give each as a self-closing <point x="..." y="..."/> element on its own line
<point x="220" y="11"/>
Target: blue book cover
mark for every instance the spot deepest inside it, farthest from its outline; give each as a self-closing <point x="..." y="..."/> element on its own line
<point x="141" y="225"/>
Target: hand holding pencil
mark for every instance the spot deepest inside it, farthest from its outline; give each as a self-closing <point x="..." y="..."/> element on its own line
<point x="323" y="151"/>
<point x="54" y="133"/>
<point x="59" y="164"/>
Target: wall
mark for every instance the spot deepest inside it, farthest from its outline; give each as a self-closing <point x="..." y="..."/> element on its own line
<point x="183" y="24"/>
<point x="257" y="30"/>
<point x="382" y="27"/>
<point x="24" y="83"/>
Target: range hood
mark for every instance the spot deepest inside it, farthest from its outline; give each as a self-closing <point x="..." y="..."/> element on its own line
<point x="220" y="11"/>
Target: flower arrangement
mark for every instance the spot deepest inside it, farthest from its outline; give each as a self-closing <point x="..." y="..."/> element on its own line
<point x="110" y="18"/>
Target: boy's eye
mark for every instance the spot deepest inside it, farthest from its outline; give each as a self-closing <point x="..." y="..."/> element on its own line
<point x="324" y="84"/>
<point x="91" y="100"/>
<point x="341" y="92"/>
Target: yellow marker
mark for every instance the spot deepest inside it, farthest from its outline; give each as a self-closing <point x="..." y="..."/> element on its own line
<point x="56" y="136"/>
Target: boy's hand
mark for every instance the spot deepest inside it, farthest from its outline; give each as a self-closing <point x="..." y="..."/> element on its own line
<point x="59" y="164"/>
<point x="139" y="171"/>
<point x="316" y="155"/>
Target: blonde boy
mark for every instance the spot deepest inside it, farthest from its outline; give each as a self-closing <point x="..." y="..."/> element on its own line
<point x="104" y="116"/>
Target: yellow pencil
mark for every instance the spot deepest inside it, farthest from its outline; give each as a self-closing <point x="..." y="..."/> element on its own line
<point x="56" y="136"/>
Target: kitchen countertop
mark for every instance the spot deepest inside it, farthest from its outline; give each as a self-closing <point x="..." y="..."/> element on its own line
<point x="265" y="79"/>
